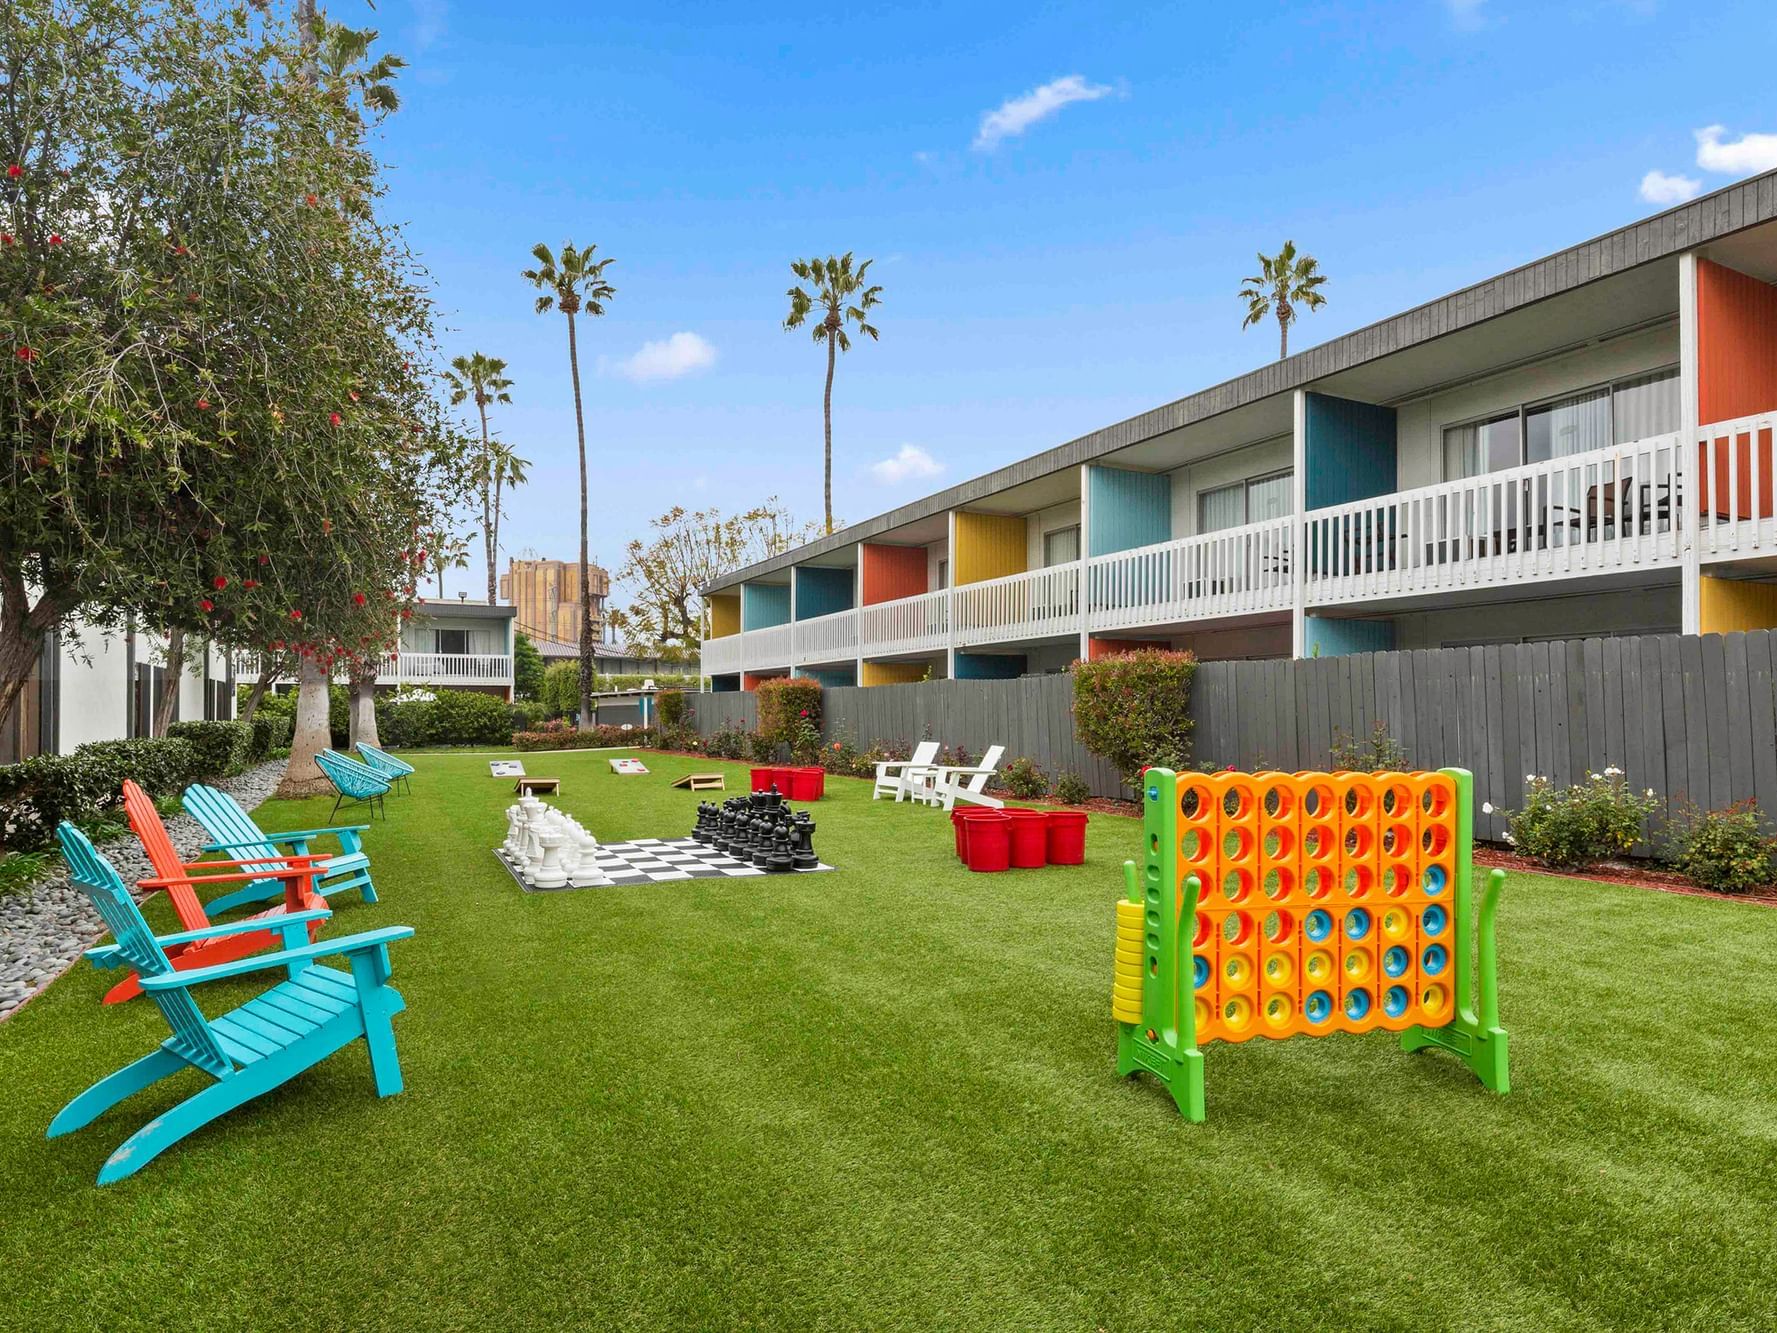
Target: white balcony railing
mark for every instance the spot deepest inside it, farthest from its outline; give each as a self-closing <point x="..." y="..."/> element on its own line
<point x="1734" y="465"/>
<point x="829" y="638"/>
<point x="1237" y="571"/>
<point x="907" y="625"/>
<point x="721" y="657"/>
<point x="769" y="648"/>
<point x="1019" y="606"/>
<point x="1587" y="513"/>
<point x="406" y="668"/>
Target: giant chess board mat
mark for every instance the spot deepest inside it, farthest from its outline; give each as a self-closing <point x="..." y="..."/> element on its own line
<point x="657" y="860"/>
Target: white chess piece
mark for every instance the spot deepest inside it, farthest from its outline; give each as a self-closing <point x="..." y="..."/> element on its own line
<point x="549" y="874"/>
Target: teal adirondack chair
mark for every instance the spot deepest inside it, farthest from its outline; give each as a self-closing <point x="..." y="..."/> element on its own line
<point x="235" y="833"/>
<point x="299" y="1022"/>
<point x="395" y="770"/>
<point x="353" y="781"/>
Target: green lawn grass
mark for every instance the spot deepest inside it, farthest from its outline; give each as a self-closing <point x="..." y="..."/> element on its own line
<point x="886" y="1097"/>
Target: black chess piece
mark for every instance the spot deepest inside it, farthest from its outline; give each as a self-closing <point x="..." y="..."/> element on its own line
<point x="700" y="831"/>
<point x="802" y="855"/>
<point x="778" y="859"/>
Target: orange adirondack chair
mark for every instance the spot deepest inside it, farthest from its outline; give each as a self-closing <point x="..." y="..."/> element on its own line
<point x="180" y="880"/>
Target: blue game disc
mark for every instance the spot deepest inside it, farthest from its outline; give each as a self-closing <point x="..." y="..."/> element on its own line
<point x="1319" y="1007"/>
<point x="1396" y="961"/>
<point x="1433" y="959"/>
<point x="1199" y="972"/>
<point x="1434" y="920"/>
<point x="1357" y="1004"/>
<point x="1357" y="923"/>
<point x="1395" y="1003"/>
<point x="1434" y="880"/>
<point x="1318" y="925"/>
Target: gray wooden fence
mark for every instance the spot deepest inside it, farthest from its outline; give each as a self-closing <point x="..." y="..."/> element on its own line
<point x="1695" y="718"/>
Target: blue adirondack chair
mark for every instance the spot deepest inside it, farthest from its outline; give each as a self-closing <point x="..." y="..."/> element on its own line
<point x="235" y="833"/>
<point x="353" y="781"/>
<point x="299" y="1022"/>
<point x="395" y="770"/>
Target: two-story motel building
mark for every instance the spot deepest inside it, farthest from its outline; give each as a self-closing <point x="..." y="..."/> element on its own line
<point x="1581" y="446"/>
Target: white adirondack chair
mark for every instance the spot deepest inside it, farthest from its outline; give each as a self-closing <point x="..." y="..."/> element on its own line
<point x="891" y="775"/>
<point x="949" y="783"/>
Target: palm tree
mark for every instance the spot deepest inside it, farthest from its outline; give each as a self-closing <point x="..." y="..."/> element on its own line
<point x="840" y="293"/>
<point x="504" y="468"/>
<point x="1283" y="285"/>
<point x="482" y="378"/>
<point x="447" y="553"/>
<point x="574" y="285"/>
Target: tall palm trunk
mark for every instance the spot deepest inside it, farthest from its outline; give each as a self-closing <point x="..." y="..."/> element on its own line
<point x="494" y="541"/>
<point x="313" y="733"/>
<point x="827" y="424"/>
<point x="585" y="722"/>
<point x="168" y="702"/>
<point x="488" y="515"/>
<point x="1284" y="315"/>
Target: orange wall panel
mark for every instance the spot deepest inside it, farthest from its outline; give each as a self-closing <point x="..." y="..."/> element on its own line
<point x="892" y="572"/>
<point x="1097" y="648"/>
<point x="1736" y="344"/>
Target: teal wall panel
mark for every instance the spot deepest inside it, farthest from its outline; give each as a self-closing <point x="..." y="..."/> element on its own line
<point x="1126" y="509"/>
<point x="1327" y="637"/>
<point x="763" y="605"/>
<point x="989" y="666"/>
<point x="829" y="677"/>
<point x="724" y="684"/>
<point x="821" y="592"/>
<point x="1349" y="450"/>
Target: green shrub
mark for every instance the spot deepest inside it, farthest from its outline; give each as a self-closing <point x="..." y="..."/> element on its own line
<point x="81" y="787"/>
<point x="563" y="736"/>
<point x="560" y="695"/>
<point x="222" y="747"/>
<point x="761" y="749"/>
<point x="1025" y="780"/>
<point x="1072" y="789"/>
<point x="528" y="715"/>
<point x="789" y="708"/>
<point x="1590" y="821"/>
<point x="20" y="870"/>
<point x="728" y="742"/>
<point x="271" y="731"/>
<point x="1380" y="753"/>
<point x="1728" y="850"/>
<point x="674" y="707"/>
<point x="527" y="669"/>
<point x="1134" y="710"/>
<point x="463" y="717"/>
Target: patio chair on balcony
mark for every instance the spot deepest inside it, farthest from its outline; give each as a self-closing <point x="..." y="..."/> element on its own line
<point x="891" y="774"/>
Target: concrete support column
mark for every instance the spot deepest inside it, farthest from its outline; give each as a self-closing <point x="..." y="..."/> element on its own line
<point x="950" y="596"/>
<point x="1299" y="526"/>
<point x="1085" y="559"/>
<point x="1691" y="571"/>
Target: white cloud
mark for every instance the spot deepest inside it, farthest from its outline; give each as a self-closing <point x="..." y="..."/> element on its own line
<point x="1750" y="154"/>
<point x="911" y="463"/>
<point x="664" y="359"/>
<point x="1659" y="188"/>
<point x="1467" y="15"/>
<point x="1017" y="114"/>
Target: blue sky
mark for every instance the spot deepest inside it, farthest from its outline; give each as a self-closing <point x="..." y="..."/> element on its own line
<point x="1061" y="201"/>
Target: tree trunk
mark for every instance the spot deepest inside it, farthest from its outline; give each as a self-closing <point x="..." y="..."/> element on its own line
<point x="301" y="777"/>
<point x="585" y="719"/>
<point x="168" y="703"/>
<point x="267" y="675"/>
<point x="489" y="516"/>
<point x="827" y="423"/>
<point x="23" y="628"/>
<point x="363" y="711"/>
<point x="494" y="544"/>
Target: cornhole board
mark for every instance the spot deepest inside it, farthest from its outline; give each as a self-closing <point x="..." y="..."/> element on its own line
<point x="506" y="768"/>
<point x="530" y="786"/>
<point x="703" y="782"/>
<point x="627" y="766"/>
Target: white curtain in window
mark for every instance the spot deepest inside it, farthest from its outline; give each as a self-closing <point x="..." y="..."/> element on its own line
<point x="1268" y="497"/>
<point x="1224" y="507"/>
<point x="1061" y="547"/>
<point x="1646" y="406"/>
<point x="1572" y="426"/>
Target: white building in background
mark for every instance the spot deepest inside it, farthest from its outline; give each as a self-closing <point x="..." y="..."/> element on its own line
<point x="104" y="687"/>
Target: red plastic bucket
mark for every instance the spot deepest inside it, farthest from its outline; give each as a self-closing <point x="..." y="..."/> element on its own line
<point x="807" y="784"/>
<point x="989" y="840"/>
<point x="1067" y="837"/>
<point x="1029" y="830"/>
<point x="762" y="778"/>
<point x="960" y="820"/>
<point x="783" y="776"/>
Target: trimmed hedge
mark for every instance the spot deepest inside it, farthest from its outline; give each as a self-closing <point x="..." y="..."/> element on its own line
<point x="1134" y="710"/>
<point x="567" y="738"/>
<point x="38" y="793"/>
<point x="271" y="731"/>
<point x="790" y="714"/>
<point x="222" y="747"/>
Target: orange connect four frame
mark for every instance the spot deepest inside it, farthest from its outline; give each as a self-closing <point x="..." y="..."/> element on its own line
<point x="1277" y="905"/>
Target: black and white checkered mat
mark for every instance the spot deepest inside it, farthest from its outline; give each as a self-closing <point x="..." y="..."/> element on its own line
<point x="655" y="860"/>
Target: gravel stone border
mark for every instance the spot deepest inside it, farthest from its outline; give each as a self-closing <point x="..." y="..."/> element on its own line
<point x="45" y="928"/>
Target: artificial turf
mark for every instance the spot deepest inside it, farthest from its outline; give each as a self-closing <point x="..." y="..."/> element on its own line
<point x="886" y="1098"/>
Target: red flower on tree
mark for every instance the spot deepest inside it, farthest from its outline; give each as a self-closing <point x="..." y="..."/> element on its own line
<point x="27" y="354"/>
<point x="219" y="582"/>
<point x="310" y="200"/>
<point x="203" y="404"/>
<point x="207" y="604"/>
<point x="265" y="559"/>
<point x="15" y="171"/>
<point x="249" y="583"/>
<point x="6" y="238"/>
<point x="334" y="418"/>
<point x="359" y="598"/>
<point x="54" y="239"/>
<point x="295" y="614"/>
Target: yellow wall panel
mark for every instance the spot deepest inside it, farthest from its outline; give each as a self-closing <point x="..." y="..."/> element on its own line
<point x="724" y="615"/>
<point x="989" y="546"/>
<point x="892" y="673"/>
<point x="1737" y="604"/>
